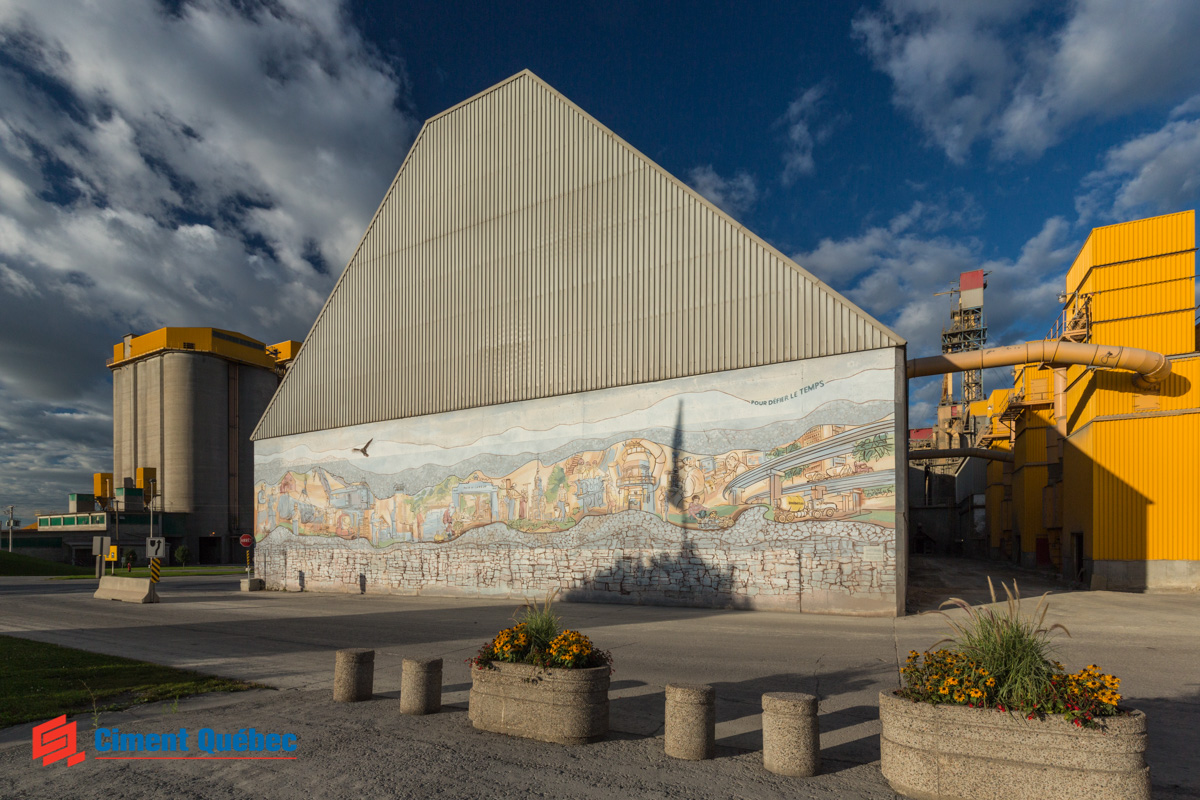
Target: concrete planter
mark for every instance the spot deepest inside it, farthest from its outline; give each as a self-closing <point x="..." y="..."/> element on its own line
<point x="565" y="706"/>
<point x="955" y="753"/>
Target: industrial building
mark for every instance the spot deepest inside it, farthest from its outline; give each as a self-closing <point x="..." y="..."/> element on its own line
<point x="550" y="365"/>
<point x="184" y="403"/>
<point x="1090" y="456"/>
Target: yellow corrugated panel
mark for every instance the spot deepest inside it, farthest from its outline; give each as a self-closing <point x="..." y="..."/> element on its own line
<point x="1081" y="406"/>
<point x="1027" y="505"/>
<point x="1168" y="233"/>
<point x="1078" y="476"/>
<point x="1146" y="474"/>
<point x="102" y="484"/>
<point x="1145" y="272"/>
<point x="1171" y="233"/>
<point x="1083" y="263"/>
<point x="1169" y="334"/>
<point x="148" y="343"/>
<point x="286" y="351"/>
<point x="1113" y="393"/>
<point x="230" y="344"/>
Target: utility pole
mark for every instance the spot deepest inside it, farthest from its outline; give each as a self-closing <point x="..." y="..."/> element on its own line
<point x="152" y="495"/>
<point x="10" y="526"/>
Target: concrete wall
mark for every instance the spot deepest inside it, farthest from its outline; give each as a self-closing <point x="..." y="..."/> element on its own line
<point x="771" y="487"/>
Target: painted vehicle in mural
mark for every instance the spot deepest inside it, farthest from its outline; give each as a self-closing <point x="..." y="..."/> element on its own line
<point x="830" y="472"/>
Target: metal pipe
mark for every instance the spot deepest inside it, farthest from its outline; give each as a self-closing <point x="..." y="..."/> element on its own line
<point x="1151" y="368"/>
<point x="961" y="452"/>
<point x="1060" y="401"/>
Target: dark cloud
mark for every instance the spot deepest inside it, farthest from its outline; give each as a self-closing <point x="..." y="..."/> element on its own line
<point x="206" y="165"/>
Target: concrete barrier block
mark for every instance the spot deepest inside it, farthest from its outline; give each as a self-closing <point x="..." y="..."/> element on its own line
<point x="691" y="721"/>
<point x="253" y="584"/>
<point x="127" y="590"/>
<point x="791" y="734"/>
<point x="421" y="686"/>
<point x="353" y="675"/>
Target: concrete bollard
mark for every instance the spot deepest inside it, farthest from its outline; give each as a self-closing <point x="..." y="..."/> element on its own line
<point x="421" y="686"/>
<point x="353" y="675"/>
<point x="691" y="721"/>
<point x="791" y="734"/>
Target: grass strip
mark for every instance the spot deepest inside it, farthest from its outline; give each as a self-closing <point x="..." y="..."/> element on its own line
<point x="13" y="564"/>
<point x="43" y="681"/>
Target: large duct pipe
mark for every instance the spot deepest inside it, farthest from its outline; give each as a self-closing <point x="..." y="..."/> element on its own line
<point x="1060" y="401"/>
<point x="1151" y="368"/>
<point x="961" y="452"/>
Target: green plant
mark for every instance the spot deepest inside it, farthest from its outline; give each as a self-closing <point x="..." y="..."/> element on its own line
<point x="1015" y="647"/>
<point x="537" y="639"/>
<point x="1003" y="660"/>
<point x="182" y="554"/>
<point x="95" y="706"/>
<point x="540" y="623"/>
<point x="130" y="557"/>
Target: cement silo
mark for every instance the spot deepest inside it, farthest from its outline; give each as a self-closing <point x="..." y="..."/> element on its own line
<point x="184" y="403"/>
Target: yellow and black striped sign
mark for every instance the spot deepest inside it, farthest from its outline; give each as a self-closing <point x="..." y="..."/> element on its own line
<point x="154" y="570"/>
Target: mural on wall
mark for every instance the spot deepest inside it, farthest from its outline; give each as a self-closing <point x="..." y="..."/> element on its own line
<point x="808" y="442"/>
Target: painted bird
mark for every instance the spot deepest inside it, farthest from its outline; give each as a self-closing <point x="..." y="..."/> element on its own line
<point x="363" y="449"/>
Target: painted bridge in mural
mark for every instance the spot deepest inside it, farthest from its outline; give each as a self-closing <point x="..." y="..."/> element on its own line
<point x="838" y="445"/>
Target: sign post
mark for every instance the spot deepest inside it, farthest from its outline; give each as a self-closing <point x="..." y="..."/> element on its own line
<point x="247" y="541"/>
<point x="100" y="545"/>
<point x="156" y="548"/>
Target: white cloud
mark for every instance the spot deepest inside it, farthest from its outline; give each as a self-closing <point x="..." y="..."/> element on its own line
<point x="212" y="165"/>
<point x="894" y="271"/>
<point x="735" y="196"/>
<point x="1022" y="74"/>
<point x="798" y="122"/>
<point x="1152" y="173"/>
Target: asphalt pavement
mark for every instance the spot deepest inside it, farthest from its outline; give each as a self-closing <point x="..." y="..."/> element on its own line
<point x="287" y="641"/>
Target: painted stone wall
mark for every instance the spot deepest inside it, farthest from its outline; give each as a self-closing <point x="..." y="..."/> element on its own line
<point x="772" y="487"/>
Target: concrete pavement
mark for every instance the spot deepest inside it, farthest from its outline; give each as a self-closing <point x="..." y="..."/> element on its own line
<point x="287" y="640"/>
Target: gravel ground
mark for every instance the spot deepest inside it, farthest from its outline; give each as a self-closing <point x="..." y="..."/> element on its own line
<point x="367" y="750"/>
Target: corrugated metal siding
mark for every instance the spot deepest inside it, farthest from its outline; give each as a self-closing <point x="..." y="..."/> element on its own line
<point x="1078" y="477"/>
<point x="526" y="251"/>
<point x="1081" y="265"/>
<point x="1169" y="334"/>
<point x="1127" y="241"/>
<point x="1030" y="475"/>
<point x="1145" y="496"/>
<point x="1168" y="233"/>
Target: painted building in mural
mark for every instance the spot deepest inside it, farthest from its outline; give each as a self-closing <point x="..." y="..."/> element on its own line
<point x="550" y="365"/>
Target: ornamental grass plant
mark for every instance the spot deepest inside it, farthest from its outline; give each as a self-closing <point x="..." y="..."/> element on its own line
<point x="537" y="638"/>
<point x="1002" y="660"/>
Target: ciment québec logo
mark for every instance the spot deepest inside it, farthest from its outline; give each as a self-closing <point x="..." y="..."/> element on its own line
<point x="54" y="740"/>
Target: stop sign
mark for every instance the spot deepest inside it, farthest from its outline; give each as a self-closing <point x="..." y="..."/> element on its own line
<point x="247" y="540"/>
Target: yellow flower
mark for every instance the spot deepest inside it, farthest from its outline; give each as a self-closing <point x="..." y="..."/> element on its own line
<point x="944" y="690"/>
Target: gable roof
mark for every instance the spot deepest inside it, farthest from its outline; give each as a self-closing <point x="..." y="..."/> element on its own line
<point x="524" y="250"/>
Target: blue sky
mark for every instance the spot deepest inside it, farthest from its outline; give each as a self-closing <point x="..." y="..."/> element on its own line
<point x="205" y="163"/>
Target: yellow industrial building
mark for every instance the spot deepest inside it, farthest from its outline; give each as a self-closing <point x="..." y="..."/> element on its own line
<point x="1105" y="468"/>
